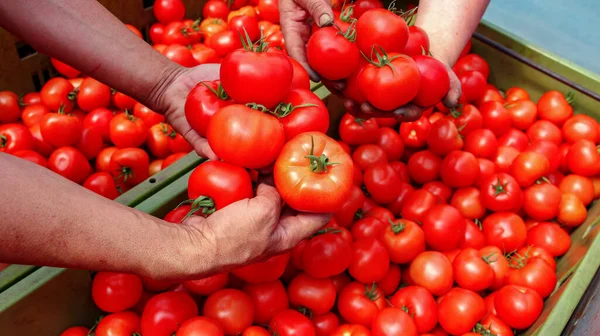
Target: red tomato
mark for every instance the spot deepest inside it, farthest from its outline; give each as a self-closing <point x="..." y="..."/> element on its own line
<point x="432" y="271"/>
<point x="14" y="138"/>
<point x="351" y="209"/>
<point x="516" y="93"/>
<point x="370" y="260"/>
<point x="391" y="82"/>
<point x="482" y="143"/>
<point x="550" y="151"/>
<point x="487" y="168"/>
<point x="231" y="308"/>
<point x="177" y="143"/>
<point x="316" y="295"/>
<point x="497" y="261"/>
<point x="302" y="111"/>
<point x="545" y="130"/>
<point x="518" y="306"/>
<point x="418" y="41"/>
<point x="459" y="310"/>
<point x="491" y="94"/>
<point x="245" y="25"/>
<point x="505" y="157"/>
<point x="157" y="140"/>
<point x="467" y="119"/>
<point x="102" y="183"/>
<point x="551" y="237"/>
<point x="59" y="129"/>
<point x="359" y="304"/>
<point x="200" y="325"/>
<point x="129" y="165"/>
<point x="472" y="62"/>
<point x="90" y="143"/>
<point x="122" y="101"/>
<point x="325" y="324"/>
<point x="33" y="114"/>
<point x="76" y="331"/>
<point x="369" y="155"/>
<point x="501" y="192"/>
<point x="579" y="127"/>
<point x="505" y="230"/>
<point x="352" y="329"/>
<point x="229" y="136"/>
<point x="495" y="117"/>
<point x="70" y="163"/>
<point x="203" y="102"/>
<point x="205" y="286"/>
<point x="123" y="323"/>
<point x="535" y="274"/>
<point x="204" y="54"/>
<point x="414" y="134"/>
<point x="444" y="137"/>
<point x="355" y="131"/>
<point x="381" y="181"/>
<point x="404" y="240"/>
<point x="391" y="143"/>
<point x="268" y="298"/>
<point x="472" y="270"/>
<point x="32" y="156"/>
<point x="496" y="326"/>
<point x="116" y="292"/>
<point x="290" y="323"/>
<point x="444" y="227"/>
<point x="514" y="138"/>
<point x="180" y="55"/>
<point x="266" y="271"/>
<point x="156" y="32"/>
<point x="332" y="54"/>
<point x="169" y="160"/>
<point x="326" y="255"/>
<point x="367" y="227"/>
<point x="224" y="42"/>
<point x="583" y="158"/>
<point x="528" y="167"/>
<point x="164" y="313"/>
<point x="572" y="211"/>
<point x="435" y="81"/>
<point x="554" y="107"/>
<point x="473" y="85"/>
<point x="167" y="11"/>
<point x="441" y="191"/>
<point x="300" y="78"/>
<point x="305" y="178"/>
<point x="424" y="166"/>
<point x="541" y="201"/>
<point x="380" y="28"/>
<point x="127" y="130"/>
<point x="523" y="113"/>
<point x="58" y="92"/>
<point x="103" y="159"/>
<point x="99" y="119"/>
<point x="419" y="304"/>
<point x="393" y="321"/>
<point x="92" y="95"/>
<point x="215" y="9"/>
<point x="468" y="202"/>
<point x="417" y="204"/>
<point x="459" y="169"/>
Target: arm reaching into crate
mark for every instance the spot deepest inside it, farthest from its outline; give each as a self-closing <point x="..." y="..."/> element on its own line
<point x="47" y="220"/>
<point x="88" y="37"/>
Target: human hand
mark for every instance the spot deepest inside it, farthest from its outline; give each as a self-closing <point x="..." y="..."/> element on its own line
<point x="171" y="98"/>
<point x="247" y="231"/>
<point x="296" y="21"/>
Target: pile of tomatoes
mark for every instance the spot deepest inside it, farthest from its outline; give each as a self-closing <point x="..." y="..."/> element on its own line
<point x="382" y="60"/>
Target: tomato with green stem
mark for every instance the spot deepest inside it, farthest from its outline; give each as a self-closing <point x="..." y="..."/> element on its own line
<point x="417" y="43"/>
<point x="393" y="321"/>
<point x="532" y="273"/>
<point x="127" y="130"/>
<point x="129" y="165"/>
<point x="472" y="270"/>
<point x="467" y="119"/>
<point x="356" y="131"/>
<point x="157" y="140"/>
<point x="203" y="101"/>
<point x="14" y="138"/>
<point x="302" y="111"/>
<point x="367" y="227"/>
<point x="58" y="92"/>
<point x="359" y="303"/>
<point x="309" y="168"/>
<point x="501" y="192"/>
<point x="528" y="167"/>
<point x="419" y="304"/>
<point x="403" y="239"/>
<point x="332" y="52"/>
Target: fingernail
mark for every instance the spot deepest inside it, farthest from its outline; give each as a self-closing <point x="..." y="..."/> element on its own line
<point x="325" y="20"/>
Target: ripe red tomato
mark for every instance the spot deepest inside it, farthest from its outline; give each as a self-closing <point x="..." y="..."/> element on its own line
<point x="164" y="313"/>
<point x="505" y="157"/>
<point x="129" y="165"/>
<point x="157" y="140"/>
<point x="352" y="329"/>
<point x="351" y="209"/>
<point x="367" y="227"/>
<point x="200" y="325"/>
<point x="417" y="204"/>
<point x="572" y="211"/>
<point x="381" y="181"/>
<point x="505" y="230"/>
<point x="265" y="271"/>
<point x="369" y="155"/>
<point x="533" y="273"/>
<point x="482" y="143"/>
<point x="59" y="129"/>
<point x="355" y="131"/>
<point x="127" y="130"/>
<point x="491" y="93"/>
<point x="528" y="167"/>
<point x="391" y="143"/>
<point x="92" y="95"/>
<point x="204" y="286"/>
<point x="518" y="306"/>
<point x="333" y="54"/>
<point x="523" y="113"/>
<point x="177" y="32"/>
<point x="70" y="163"/>
<point x="156" y="32"/>
<point x="459" y="310"/>
<point x="245" y="25"/>
<point x="76" y="331"/>
<point x="302" y="111"/>
<point x="116" y="292"/>
<point x="14" y="138"/>
<point x="326" y="255"/>
<point x="419" y="304"/>
<point x="444" y="137"/>
<point x="172" y="159"/>
<point x="414" y="134"/>
<point x="255" y="330"/>
<point x="103" y="159"/>
<point x="32" y="156"/>
<point x="325" y="324"/>
<point x="472" y="270"/>
<point x="468" y="202"/>
<point x="472" y="62"/>
<point x="122" y="101"/>
<point x="444" y="227"/>
<point x="495" y="117"/>
<point x="224" y="42"/>
<point x="90" y="143"/>
<point x="300" y="78"/>
<point x="231" y="308"/>
<point x="459" y="169"/>
<point x="501" y="192"/>
<point x="467" y="119"/>
<point x="391" y="82"/>
<point x="418" y="40"/>
<point x="579" y="127"/>
<point x="204" y="54"/>
<point x="359" y="304"/>
<point x="33" y="114"/>
<point x="99" y="119"/>
<point x="583" y="158"/>
<point x="541" y="201"/>
<point x="58" y="92"/>
<point x="10" y="111"/>
<point x="290" y="323"/>
<point x="393" y="321"/>
<point x="550" y="237"/>
<point x="311" y="183"/>
<point x="487" y="168"/>
<point x="474" y="237"/>
<point x="215" y="9"/>
<point x="317" y="295"/>
<point x="167" y="11"/>
<point x="514" y="138"/>
<point x="202" y="103"/>
<point x="380" y="28"/>
<point x="268" y="298"/>
<point x="516" y="93"/>
<point x="473" y="85"/>
<point x="435" y="81"/>
<point x="370" y="260"/>
<point x="122" y="323"/>
<point x="424" y="166"/>
<point x="554" y="107"/>
<point x="39" y="144"/>
<point x="432" y="271"/>
<point x="545" y="130"/>
<point x="550" y="151"/>
<point x="404" y="240"/>
<point x="102" y="183"/>
<point x="180" y="55"/>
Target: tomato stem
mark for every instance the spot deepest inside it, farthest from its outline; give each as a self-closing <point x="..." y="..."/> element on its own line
<point x="3" y="140"/>
<point x="73" y="94"/>
<point x="350" y="33"/>
<point x="204" y="204"/>
<point x="305" y="311"/>
<point x="499" y="188"/>
<point x="318" y="164"/>
<point x="360" y="121"/>
<point x="382" y="58"/>
<point x="125" y="175"/>
<point x="371" y="293"/>
<point x="570" y="97"/>
<point x="327" y="230"/>
<point x="283" y="110"/>
<point x="259" y="46"/>
<point x="481" y="329"/>
<point x="487" y="258"/>
<point x="257" y="107"/>
<point x="359" y="214"/>
<point x="346" y="14"/>
<point x="397" y="227"/>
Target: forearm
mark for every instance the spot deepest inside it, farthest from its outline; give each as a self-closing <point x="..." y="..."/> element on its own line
<point x="47" y="220"/>
<point x="449" y="24"/>
<point x="87" y="36"/>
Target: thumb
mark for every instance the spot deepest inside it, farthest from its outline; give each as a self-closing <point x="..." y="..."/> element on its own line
<point x="319" y="10"/>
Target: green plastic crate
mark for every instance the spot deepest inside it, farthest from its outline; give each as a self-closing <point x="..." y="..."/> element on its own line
<point x="48" y="300"/>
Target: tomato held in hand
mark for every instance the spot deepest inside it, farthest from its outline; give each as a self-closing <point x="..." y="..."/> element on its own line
<point x="302" y="111"/>
<point x="164" y="313"/>
<point x="381" y="28"/>
<point x="418" y="41"/>
<point x="313" y="173"/>
<point x="203" y="101"/>
<point x="332" y="53"/>
<point x="129" y="165"/>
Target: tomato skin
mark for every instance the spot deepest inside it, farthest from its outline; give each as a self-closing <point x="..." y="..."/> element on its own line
<point x="116" y="292"/>
<point x="435" y="81"/>
<point x="200" y="325"/>
<point x="367" y="227"/>
<point x="474" y="237"/>
<point x="491" y="94"/>
<point x="60" y="129"/>
<point x="444" y="227"/>
<point x="180" y="55"/>
<point x="473" y="86"/>
<point x="347" y="213"/>
<point x="432" y="271"/>
<point x="255" y="330"/>
<point x="550" y="151"/>
<point x="92" y="95"/>
<point x="496" y="326"/>
<point x="369" y="155"/>
<point x="10" y="111"/>
<point x="127" y="131"/>
<point x="504" y="230"/>
<point x="468" y="202"/>
<point x="300" y="79"/>
<point x="354" y="131"/>
<point x="99" y="119"/>
<point x="403" y="240"/>
<point x="391" y="86"/>
<point x="103" y="159"/>
<point x="481" y="143"/>
<point x="33" y="114"/>
<point x="165" y="312"/>
<point x="580" y="127"/>
<point x="381" y="28"/>
<point x="487" y="168"/>
<point x="417" y="204"/>
<point x="326" y="255"/>
<point x="498" y="263"/>
<point x="528" y="167"/>
<point x="554" y="107"/>
<point x="504" y="159"/>
<point x="551" y="237"/>
<point x="32" y="156"/>
<point x="208" y="285"/>
<point x="232" y="308"/>
<point x="541" y="201"/>
<point x="204" y="54"/>
<point x="414" y="134"/>
<point x="545" y="130"/>
<point x="265" y="271"/>
<point x="459" y="169"/>
<point x="90" y="143"/>
<point x="418" y="40"/>
<point x="122" y="323"/>
<point x="424" y="166"/>
<point x="393" y="321"/>
<point x="519" y="307"/>
<point x="303" y="119"/>
<point x="472" y="271"/>
<point x="359" y="304"/>
<point x="381" y="180"/>
<point x="391" y="143"/>
<point x="307" y="190"/>
<point x="444" y="137"/>
<point x="420" y="304"/>
<point x="459" y="310"/>
<point x="70" y="163"/>
<point x="102" y="183"/>
<point x="224" y="183"/>
<point x="325" y="324"/>
<point x="516" y="93"/>
<point x="14" y="138"/>
<point x="254" y="84"/>
<point x="224" y="42"/>
<point x="495" y="117"/>
<point x="56" y="93"/>
<point x="352" y="329"/>
<point x="290" y="323"/>
<point x="472" y="62"/>
<point x="370" y="260"/>
<point x="318" y="295"/>
<point x="167" y="11"/>
<point x="572" y="211"/>
<point x="157" y="140"/>
<point x="202" y="103"/>
<point x="148" y="116"/>
<point x="466" y="118"/>
<point x="269" y="298"/>
<point x="514" y="138"/>
<point x="341" y="55"/>
<point x="501" y="192"/>
<point x="583" y="158"/>
<point x="536" y="274"/>
<point x="215" y="9"/>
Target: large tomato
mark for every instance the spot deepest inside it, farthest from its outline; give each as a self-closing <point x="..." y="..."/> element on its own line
<point x="232" y="308"/>
<point x="92" y="95"/>
<point x="59" y="129"/>
<point x="432" y="271"/>
<point x="102" y="183"/>
<point x="459" y="310"/>
<point x="202" y="103"/>
<point x="393" y="321"/>
<point x="70" y="163"/>
<point x="317" y="295"/>
<point x="167" y="11"/>
<point x="326" y="254"/>
<point x="505" y="230"/>
<point x="14" y="138"/>
<point x="58" y="94"/>
<point x="122" y="323"/>
<point x="265" y="271"/>
<point x="99" y="119"/>
<point x="518" y="306"/>
<point x="291" y="323"/>
<point x="215" y="184"/>
<point x="164" y="313"/>
<point x="245" y="137"/>
<point x="390" y="81"/>
<point x="313" y="173"/>
<point x="551" y="237"/>
<point x="332" y="53"/>
<point x="535" y="274"/>
<point x="583" y="158"/>
<point x="419" y="304"/>
<point x="404" y="240"/>
<point x="129" y="165"/>
<point x="115" y="292"/>
<point x="359" y="303"/>
<point x="501" y="192"/>
<point x="380" y="28"/>
<point x="356" y="131"/>
<point x="459" y="169"/>
<point x="444" y="227"/>
<point x="268" y="298"/>
<point x="302" y="111"/>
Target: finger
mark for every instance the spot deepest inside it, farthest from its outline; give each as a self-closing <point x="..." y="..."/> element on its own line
<point x="451" y="99"/>
<point x="296" y="46"/>
<point x="408" y="113"/>
<point x="267" y="179"/>
<point x="206" y="72"/>
<point x="294" y="228"/>
<point x="319" y="10"/>
<point x="265" y="192"/>
<point x="336" y="87"/>
<point x="200" y="145"/>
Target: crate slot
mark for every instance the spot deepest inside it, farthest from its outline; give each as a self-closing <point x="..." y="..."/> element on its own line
<point x="147" y="3"/>
<point x="37" y="83"/>
<point x="24" y="49"/>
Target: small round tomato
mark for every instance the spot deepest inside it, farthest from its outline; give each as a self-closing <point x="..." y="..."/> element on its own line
<point x="541" y="201"/>
<point x="167" y="11"/>
<point x="265" y="271"/>
<point x="404" y="240"/>
<point x="231" y="308"/>
<point x="459" y="310"/>
<point x="551" y="237"/>
<point x="504" y="158"/>
<point x="419" y="304"/>
<point x="523" y="113"/>
<point x="99" y="119"/>
<point x="472" y="62"/>
<point x="122" y="323"/>
<point x="424" y="166"/>
<point x="290" y="323"/>
<point x="165" y="312"/>
<point x="224" y="42"/>
<point x="369" y="155"/>
<point x="583" y="158"/>
<point x="200" y="325"/>
<point x="10" y="111"/>
<point x="116" y="292"/>
<point x="495" y="117"/>
<point x="92" y="95"/>
<point x="370" y="260"/>
<point x="580" y="127"/>
<point x="202" y="103"/>
<point x="102" y="183"/>
<point x="59" y="129"/>
<point x="14" y="138"/>
<point x="317" y="295"/>
<point x="33" y="114"/>
<point x="572" y="211"/>
<point x="501" y="192"/>
<point x="467" y="119"/>
<point x="325" y="324"/>
<point x="528" y="167"/>
<point x="432" y="271"/>
<point x="70" y="163"/>
<point x="481" y="143"/>
<point x="505" y="230"/>
<point x="129" y="165"/>
<point x="444" y="227"/>
<point x="359" y="304"/>
<point x="57" y="94"/>
<point x="444" y="137"/>
<point x="544" y="130"/>
<point x="417" y="204"/>
<point x="473" y="86"/>
<point x="534" y="273"/>
<point x="516" y="93"/>
<point x="514" y="138"/>
<point x="351" y="209"/>
<point x="90" y="143"/>
<point x="554" y="107"/>
<point x="269" y="298"/>
<point x="472" y="271"/>
<point x="468" y="202"/>
<point x="103" y="159"/>
<point x="381" y="181"/>
<point x="215" y="9"/>
<point x="127" y="131"/>
<point x="391" y="143"/>
<point x="518" y="306"/>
